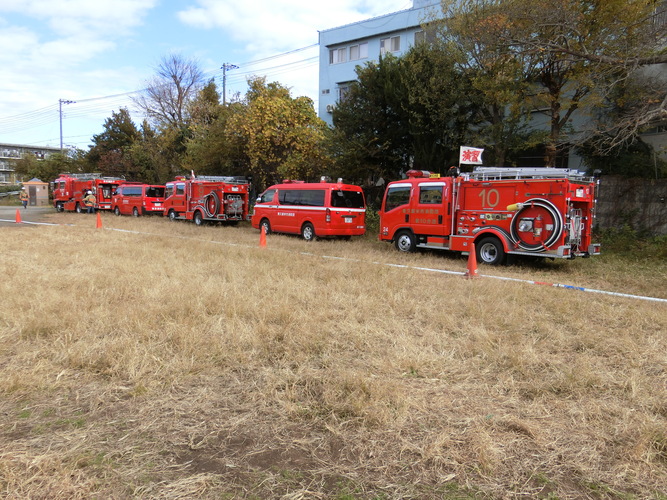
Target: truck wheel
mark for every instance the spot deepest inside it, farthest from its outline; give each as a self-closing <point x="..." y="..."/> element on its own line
<point x="172" y="215"/>
<point x="265" y="226"/>
<point x="59" y="207"/>
<point x="198" y="218"/>
<point x="490" y="251"/>
<point x="78" y="209"/>
<point x="405" y="241"/>
<point x="135" y="212"/>
<point x="308" y="232"/>
<point x="116" y="211"/>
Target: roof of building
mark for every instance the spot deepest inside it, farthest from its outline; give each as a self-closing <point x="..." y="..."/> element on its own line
<point x="371" y="19"/>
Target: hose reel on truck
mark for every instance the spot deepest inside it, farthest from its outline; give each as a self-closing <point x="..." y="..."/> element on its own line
<point x="537" y="225"/>
<point x="211" y="204"/>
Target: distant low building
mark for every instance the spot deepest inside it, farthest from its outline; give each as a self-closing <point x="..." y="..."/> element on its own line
<point x="9" y="153"/>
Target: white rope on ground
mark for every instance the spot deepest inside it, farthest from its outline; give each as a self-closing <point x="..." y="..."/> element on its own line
<point x="34" y="223"/>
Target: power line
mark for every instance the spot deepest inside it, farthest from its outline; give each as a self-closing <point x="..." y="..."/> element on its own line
<point x="92" y="106"/>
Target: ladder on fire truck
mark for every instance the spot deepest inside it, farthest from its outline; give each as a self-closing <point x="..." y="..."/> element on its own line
<point x="222" y="178"/>
<point x="83" y="177"/>
<point x="499" y="173"/>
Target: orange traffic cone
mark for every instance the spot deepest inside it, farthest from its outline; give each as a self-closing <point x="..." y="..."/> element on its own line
<point x="472" y="272"/>
<point x="18" y="216"/>
<point x="262" y="236"/>
<point x="99" y="221"/>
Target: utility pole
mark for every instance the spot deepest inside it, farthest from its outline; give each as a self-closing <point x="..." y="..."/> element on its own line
<point x="61" y="102"/>
<point x="224" y="69"/>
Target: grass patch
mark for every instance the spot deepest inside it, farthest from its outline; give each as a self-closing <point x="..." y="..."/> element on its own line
<point x="168" y="360"/>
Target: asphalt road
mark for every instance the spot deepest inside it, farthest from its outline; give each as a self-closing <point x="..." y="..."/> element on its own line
<point x="30" y="214"/>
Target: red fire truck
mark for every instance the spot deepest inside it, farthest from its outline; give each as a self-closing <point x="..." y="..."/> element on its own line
<point x="544" y="212"/>
<point x="69" y="190"/>
<point x="207" y="198"/>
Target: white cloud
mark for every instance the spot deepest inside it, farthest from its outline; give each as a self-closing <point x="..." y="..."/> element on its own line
<point x="272" y="27"/>
<point x="82" y="49"/>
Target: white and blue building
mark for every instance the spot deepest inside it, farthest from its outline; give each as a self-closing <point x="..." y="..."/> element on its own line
<point x="344" y="48"/>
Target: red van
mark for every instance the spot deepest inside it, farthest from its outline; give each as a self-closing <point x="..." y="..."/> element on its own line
<point x="311" y="209"/>
<point x="138" y="199"/>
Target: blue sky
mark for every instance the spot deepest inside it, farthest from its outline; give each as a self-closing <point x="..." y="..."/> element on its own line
<point x="97" y="53"/>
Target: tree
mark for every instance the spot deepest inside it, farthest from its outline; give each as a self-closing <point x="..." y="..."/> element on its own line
<point x="281" y="136"/>
<point x="167" y="97"/>
<point x="370" y="137"/>
<point x="212" y="147"/>
<point x="580" y="52"/>
<point x="109" y="153"/>
<point x="30" y="167"/>
<point x="403" y="113"/>
<point x="495" y="77"/>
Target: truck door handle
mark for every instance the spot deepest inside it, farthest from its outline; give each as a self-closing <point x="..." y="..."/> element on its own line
<point x="407" y="217"/>
<point x="439" y="219"/>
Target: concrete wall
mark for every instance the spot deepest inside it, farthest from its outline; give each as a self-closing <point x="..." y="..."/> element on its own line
<point x="641" y="203"/>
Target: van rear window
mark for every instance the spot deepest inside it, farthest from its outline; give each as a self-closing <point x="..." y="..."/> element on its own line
<point x="347" y="199"/>
<point x="304" y="197"/>
<point x="155" y="192"/>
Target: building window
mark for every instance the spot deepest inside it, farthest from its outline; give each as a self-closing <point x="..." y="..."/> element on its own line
<point x="342" y="90"/>
<point x="392" y="44"/>
<point x="337" y="55"/>
<point x="420" y="37"/>
<point x="359" y="51"/>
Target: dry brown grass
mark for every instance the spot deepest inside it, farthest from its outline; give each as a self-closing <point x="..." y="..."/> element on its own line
<point x="185" y="362"/>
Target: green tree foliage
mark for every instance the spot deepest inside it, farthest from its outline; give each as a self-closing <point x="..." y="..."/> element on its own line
<point x="403" y="113"/>
<point x="30" y="167"/>
<point x="214" y="148"/>
<point x="370" y="137"/>
<point x="151" y="157"/>
<point x="109" y="153"/>
<point x="281" y="136"/>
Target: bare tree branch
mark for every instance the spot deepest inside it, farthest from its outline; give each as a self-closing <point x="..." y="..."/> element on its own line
<point x="167" y="94"/>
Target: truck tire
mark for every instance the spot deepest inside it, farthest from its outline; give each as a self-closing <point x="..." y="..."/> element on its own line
<point x="60" y="207"/>
<point x="308" y="232"/>
<point x="198" y="219"/>
<point x="116" y="210"/>
<point x="78" y="209"/>
<point x="265" y="225"/>
<point x="490" y="251"/>
<point x="172" y="215"/>
<point x="135" y="212"/>
<point x="405" y="241"/>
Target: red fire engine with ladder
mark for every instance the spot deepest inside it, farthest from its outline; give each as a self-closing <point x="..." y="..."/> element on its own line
<point x="542" y="212"/>
<point x="69" y="190"/>
<point x="207" y="198"/>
